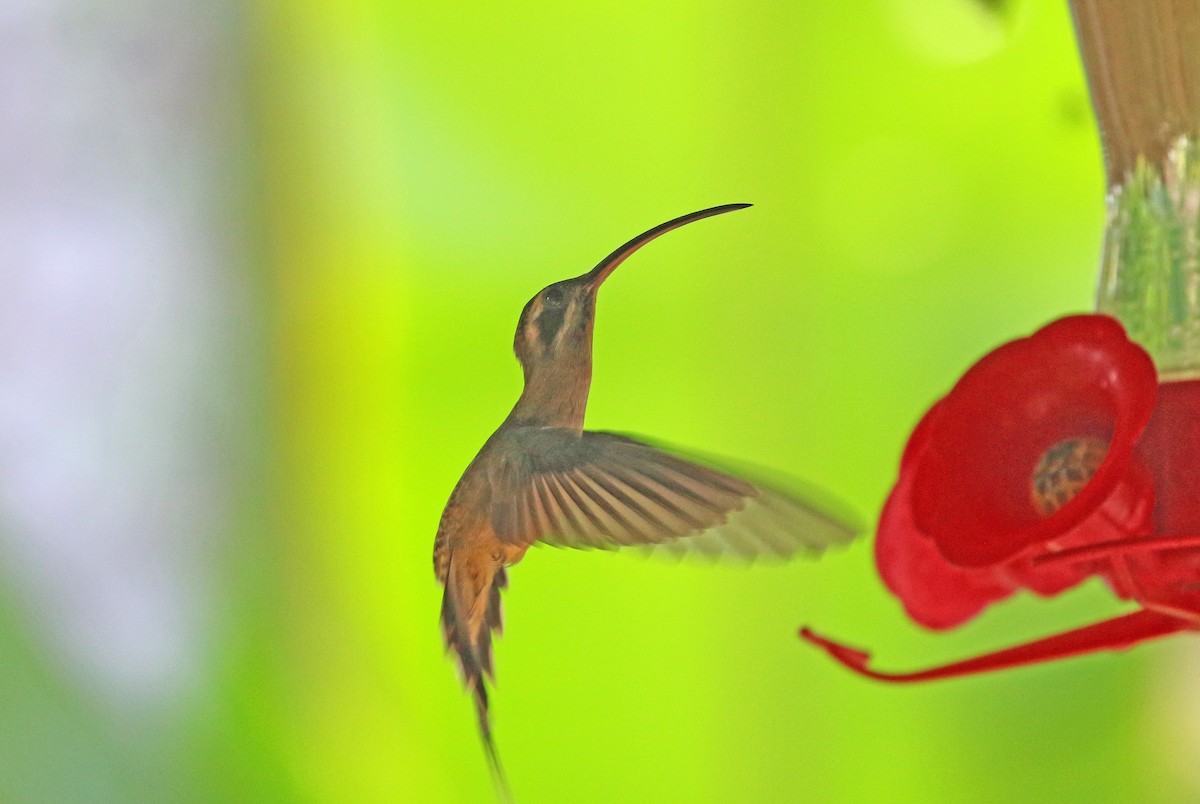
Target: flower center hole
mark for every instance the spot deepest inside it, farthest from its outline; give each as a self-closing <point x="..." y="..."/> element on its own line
<point x="1063" y="471"/>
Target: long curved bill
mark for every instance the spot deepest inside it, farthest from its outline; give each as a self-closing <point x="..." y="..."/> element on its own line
<point x="593" y="278"/>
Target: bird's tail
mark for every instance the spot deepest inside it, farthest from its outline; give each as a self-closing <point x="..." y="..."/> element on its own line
<point x="471" y="611"/>
<point x="499" y="779"/>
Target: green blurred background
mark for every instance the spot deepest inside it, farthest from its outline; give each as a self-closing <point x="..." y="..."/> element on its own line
<point x="927" y="183"/>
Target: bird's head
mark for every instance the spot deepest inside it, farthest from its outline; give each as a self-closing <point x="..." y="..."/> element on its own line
<point x="555" y="328"/>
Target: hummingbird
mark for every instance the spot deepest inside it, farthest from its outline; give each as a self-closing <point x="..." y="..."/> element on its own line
<point x="541" y="477"/>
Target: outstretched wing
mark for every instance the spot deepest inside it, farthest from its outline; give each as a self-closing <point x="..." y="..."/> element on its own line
<point x="604" y="490"/>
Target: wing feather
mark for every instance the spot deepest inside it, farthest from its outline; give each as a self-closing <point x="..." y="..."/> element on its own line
<point x="603" y="490"/>
<point x="615" y="505"/>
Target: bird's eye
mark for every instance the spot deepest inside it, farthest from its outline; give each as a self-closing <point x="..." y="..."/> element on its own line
<point x="553" y="297"/>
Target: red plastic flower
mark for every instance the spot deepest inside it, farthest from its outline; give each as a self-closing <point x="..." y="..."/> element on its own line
<point x="1048" y="462"/>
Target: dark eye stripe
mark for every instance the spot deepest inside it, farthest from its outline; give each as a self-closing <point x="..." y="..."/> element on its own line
<point x="549" y="323"/>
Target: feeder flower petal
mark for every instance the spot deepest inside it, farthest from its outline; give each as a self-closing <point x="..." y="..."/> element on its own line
<point x="1031" y="473"/>
<point x="1078" y="385"/>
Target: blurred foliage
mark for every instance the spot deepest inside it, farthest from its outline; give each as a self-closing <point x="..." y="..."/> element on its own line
<point x="925" y="187"/>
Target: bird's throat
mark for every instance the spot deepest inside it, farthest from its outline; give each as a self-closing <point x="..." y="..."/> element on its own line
<point x="555" y="395"/>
